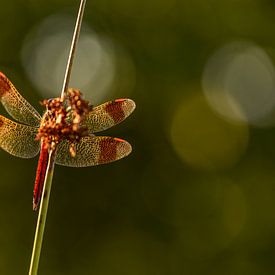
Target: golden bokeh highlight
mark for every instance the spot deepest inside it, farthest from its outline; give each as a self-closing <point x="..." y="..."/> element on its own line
<point x="239" y="83"/>
<point x="101" y="67"/>
<point x="202" y="139"/>
<point x="44" y="56"/>
<point x="217" y="205"/>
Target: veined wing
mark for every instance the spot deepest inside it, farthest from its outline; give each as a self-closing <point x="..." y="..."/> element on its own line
<point x="17" y="106"/>
<point x="109" y="114"/>
<point x="18" y="139"/>
<point x="92" y="150"/>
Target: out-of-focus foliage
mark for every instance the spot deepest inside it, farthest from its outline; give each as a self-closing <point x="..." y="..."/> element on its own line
<point x="197" y="195"/>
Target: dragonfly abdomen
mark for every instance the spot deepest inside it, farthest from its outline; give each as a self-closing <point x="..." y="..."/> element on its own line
<point x="40" y="175"/>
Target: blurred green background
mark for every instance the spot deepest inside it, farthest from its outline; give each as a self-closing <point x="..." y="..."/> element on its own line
<point x="196" y="196"/>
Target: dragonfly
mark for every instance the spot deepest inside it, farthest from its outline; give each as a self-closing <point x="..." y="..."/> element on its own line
<point x="20" y="138"/>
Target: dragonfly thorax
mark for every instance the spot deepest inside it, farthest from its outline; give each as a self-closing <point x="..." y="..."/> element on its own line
<point x="62" y="120"/>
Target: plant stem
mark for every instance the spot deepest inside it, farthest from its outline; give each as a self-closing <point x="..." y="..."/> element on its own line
<point x="43" y="209"/>
<point x="73" y="47"/>
<point x="42" y="215"/>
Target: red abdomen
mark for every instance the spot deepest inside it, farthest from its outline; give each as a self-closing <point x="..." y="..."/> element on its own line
<point x="40" y="175"/>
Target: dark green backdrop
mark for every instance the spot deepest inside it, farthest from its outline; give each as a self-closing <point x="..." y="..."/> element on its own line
<point x="197" y="195"/>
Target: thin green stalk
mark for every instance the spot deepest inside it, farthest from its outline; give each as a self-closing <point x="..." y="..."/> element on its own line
<point x="73" y="47"/>
<point x="50" y="169"/>
<point x="42" y="215"/>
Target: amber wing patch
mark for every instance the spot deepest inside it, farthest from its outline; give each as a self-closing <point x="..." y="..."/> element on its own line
<point x="109" y="114"/>
<point x="92" y="150"/>
<point x="18" y="139"/>
<point x="17" y="106"/>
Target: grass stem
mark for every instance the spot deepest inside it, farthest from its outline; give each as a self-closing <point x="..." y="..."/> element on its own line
<point x="73" y="47"/>
<point x="41" y="221"/>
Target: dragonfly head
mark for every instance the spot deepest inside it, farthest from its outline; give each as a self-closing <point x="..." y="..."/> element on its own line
<point x="63" y="120"/>
<point x="48" y="103"/>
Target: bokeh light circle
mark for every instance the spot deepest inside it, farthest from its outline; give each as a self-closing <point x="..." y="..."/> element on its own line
<point x="203" y="140"/>
<point x="239" y="84"/>
<point x="45" y="51"/>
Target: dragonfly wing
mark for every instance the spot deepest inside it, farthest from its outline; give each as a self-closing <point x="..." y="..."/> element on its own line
<point x="17" y="106"/>
<point x="92" y="150"/>
<point x="109" y="114"/>
<point x="18" y="139"/>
